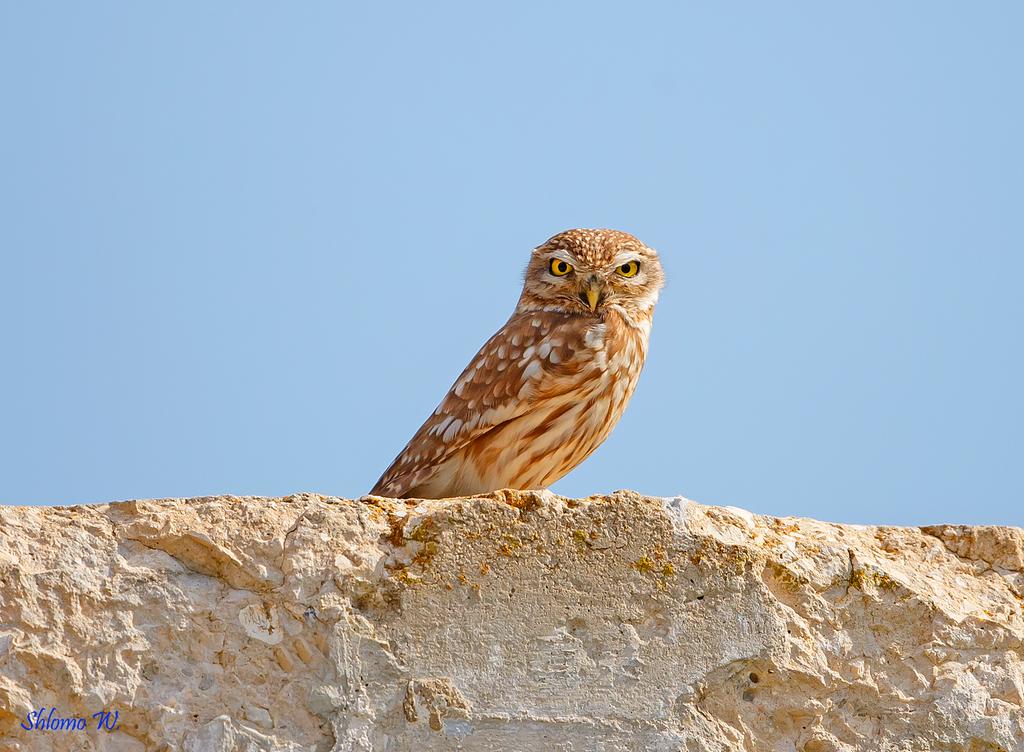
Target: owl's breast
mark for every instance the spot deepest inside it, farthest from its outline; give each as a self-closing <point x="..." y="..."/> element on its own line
<point x="620" y="349"/>
<point x="573" y="408"/>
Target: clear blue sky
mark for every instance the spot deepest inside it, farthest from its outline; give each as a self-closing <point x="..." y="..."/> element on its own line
<point x="247" y="247"/>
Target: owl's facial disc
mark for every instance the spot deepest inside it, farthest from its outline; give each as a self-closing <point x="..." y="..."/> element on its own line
<point x="588" y="272"/>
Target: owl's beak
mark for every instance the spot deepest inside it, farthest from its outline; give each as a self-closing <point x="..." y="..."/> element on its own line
<point x="592" y="291"/>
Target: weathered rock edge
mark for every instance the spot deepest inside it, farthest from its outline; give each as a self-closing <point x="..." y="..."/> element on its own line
<point x="518" y="621"/>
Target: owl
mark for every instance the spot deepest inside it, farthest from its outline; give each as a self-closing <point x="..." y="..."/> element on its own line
<point x="543" y="393"/>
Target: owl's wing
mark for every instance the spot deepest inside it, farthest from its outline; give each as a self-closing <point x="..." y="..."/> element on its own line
<point x="498" y="385"/>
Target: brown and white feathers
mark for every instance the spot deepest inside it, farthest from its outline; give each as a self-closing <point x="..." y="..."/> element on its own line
<point x="543" y="393"/>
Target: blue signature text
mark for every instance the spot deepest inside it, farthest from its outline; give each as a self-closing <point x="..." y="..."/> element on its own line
<point x="41" y="720"/>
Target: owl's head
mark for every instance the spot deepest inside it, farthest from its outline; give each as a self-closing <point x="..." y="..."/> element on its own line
<point x="589" y="271"/>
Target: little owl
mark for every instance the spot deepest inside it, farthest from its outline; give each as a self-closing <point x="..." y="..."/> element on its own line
<point x="548" y="388"/>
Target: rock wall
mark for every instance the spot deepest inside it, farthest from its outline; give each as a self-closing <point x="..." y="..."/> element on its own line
<point x="520" y="621"/>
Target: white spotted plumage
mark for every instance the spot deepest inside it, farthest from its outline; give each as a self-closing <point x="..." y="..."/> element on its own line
<point x="543" y="393"/>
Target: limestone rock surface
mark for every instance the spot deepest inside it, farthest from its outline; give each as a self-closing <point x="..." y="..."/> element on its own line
<point x="517" y="621"/>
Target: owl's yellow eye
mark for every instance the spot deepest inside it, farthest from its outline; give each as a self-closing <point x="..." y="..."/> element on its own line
<point x="560" y="268"/>
<point x="629" y="269"/>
